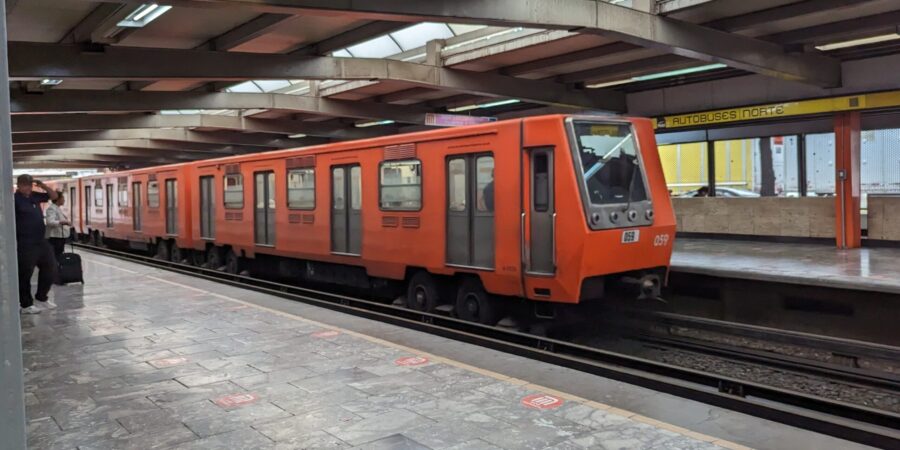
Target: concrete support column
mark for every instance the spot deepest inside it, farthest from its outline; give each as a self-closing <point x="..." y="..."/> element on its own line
<point x="847" y="184"/>
<point x="12" y="403"/>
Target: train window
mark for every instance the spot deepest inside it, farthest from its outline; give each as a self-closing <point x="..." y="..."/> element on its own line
<point x="98" y="194"/>
<point x="153" y="194"/>
<point x="301" y="186"/>
<point x="457" y="184"/>
<point x="234" y="191"/>
<point x="337" y="194"/>
<point x="484" y="174"/>
<point x="541" y="182"/>
<point x="355" y="188"/>
<point x="401" y="185"/>
<point x="123" y="191"/>
<point x="610" y="163"/>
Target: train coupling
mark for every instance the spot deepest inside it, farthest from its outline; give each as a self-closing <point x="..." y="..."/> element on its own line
<point x="649" y="286"/>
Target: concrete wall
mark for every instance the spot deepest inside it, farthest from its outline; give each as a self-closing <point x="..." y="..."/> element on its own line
<point x="884" y="217"/>
<point x="765" y="216"/>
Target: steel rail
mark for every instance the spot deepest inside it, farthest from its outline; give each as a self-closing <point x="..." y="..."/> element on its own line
<point x="857" y="423"/>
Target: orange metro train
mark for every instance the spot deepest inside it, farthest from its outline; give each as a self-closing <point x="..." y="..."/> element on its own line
<point x="553" y="209"/>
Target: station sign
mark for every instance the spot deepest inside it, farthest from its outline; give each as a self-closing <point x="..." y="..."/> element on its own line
<point x="780" y="110"/>
<point x="455" y="120"/>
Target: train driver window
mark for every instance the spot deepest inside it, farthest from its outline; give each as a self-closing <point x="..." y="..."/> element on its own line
<point x="609" y="158"/>
<point x="153" y="194"/>
<point x="401" y="185"/>
<point x="98" y="194"/>
<point x="234" y="191"/>
<point x="301" y="188"/>
<point x="484" y="173"/>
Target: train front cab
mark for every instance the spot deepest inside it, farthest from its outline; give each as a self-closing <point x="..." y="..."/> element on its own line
<point x="597" y="218"/>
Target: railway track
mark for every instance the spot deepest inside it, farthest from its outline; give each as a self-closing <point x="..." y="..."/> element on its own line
<point x="841" y="419"/>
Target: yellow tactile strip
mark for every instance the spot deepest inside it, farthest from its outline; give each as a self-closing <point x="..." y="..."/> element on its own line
<point x="498" y="376"/>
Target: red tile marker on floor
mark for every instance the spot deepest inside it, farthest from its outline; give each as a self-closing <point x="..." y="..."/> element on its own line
<point x="542" y="401"/>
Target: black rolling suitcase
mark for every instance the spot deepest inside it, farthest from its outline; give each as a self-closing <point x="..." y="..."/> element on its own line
<point x="70" y="268"/>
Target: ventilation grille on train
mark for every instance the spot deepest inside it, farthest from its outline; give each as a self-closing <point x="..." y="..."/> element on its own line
<point x="402" y="151"/>
<point x="232" y="168"/>
<point x="390" y="221"/>
<point x="410" y="222"/>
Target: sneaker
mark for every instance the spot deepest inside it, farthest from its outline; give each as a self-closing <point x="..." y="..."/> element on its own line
<point x="31" y="310"/>
<point x="49" y="304"/>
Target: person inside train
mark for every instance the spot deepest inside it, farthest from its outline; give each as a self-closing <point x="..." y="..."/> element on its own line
<point x="486" y="202"/>
<point x="32" y="247"/>
<point x="57" y="225"/>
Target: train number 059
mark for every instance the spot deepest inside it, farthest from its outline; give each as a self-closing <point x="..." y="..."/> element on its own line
<point x="661" y="240"/>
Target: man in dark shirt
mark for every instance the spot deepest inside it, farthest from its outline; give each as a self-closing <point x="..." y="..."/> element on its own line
<point x="31" y="246"/>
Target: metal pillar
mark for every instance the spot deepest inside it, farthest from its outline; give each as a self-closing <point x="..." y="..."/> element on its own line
<point x="802" y="179"/>
<point x="847" y="184"/>
<point x="711" y="167"/>
<point x="12" y="400"/>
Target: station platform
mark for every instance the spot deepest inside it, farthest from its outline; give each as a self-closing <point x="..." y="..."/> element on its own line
<point x="866" y="269"/>
<point x="144" y="358"/>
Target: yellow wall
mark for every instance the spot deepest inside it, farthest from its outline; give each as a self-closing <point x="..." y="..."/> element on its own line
<point x="685" y="165"/>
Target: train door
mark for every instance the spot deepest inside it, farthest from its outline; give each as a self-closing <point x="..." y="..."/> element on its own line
<point x="470" y="210"/>
<point x="346" y="209"/>
<point x="171" y="206"/>
<point x="109" y="205"/>
<point x="264" y="208"/>
<point x="87" y="205"/>
<point x="542" y="213"/>
<point x="207" y="208"/>
<point x="137" y="220"/>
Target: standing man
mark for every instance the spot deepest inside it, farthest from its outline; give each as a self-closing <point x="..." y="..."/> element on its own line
<point x="31" y="246"/>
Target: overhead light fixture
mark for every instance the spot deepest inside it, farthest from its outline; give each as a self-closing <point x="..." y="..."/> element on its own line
<point x="858" y="42"/>
<point x="373" y="124"/>
<point x="297" y="136"/>
<point x="49" y="82"/>
<point x="144" y="14"/>
<point x="484" y="105"/>
<point x="655" y="76"/>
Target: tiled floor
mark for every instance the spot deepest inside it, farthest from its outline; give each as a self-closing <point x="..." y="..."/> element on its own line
<point x="140" y="358"/>
<point x="875" y="269"/>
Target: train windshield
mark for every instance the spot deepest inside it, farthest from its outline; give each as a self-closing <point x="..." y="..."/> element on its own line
<point x="610" y="163"/>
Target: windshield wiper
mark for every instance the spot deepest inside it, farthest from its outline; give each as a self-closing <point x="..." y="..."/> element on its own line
<point x="602" y="161"/>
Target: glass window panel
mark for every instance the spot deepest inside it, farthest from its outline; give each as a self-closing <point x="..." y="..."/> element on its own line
<point x="301" y="188"/>
<point x="247" y="86"/>
<point x="417" y="35"/>
<point x="610" y="163"/>
<point x="685" y="167"/>
<point x="879" y="163"/>
<point x="484" y="177"/>
<point x="98" y="194"/>
<point x="355" y="188"/>
<point x="123" y="193"/>
<point x="272" y="85"/>
<point x="153" y="194"/>
<point x="270" y="190"/>
<point x="337" y="188"/>
<point x="375" y="48"/>
<point x="457" y="184"/>
<point x="234" y="191"/>
<point x="342" y="53"/>
<point x="820" y="164"/>
<point x="401" y="184"/>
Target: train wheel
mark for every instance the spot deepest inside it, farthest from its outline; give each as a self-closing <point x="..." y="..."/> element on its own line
<point x="162" y="250"/>
<point x="476" y="305"/>
<point x="198" y="258"/>
<point x="175" y="254"/>
<point x="232" y="262"/>
<point x="422" y="293"/>
<point x="214" y="258"/>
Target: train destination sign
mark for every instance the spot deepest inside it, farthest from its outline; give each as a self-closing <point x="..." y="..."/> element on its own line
<point x="778" y="110"/>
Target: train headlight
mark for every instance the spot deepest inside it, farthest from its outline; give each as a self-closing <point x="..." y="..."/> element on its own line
<point x="649" y="214"/>
<point x="632" y="215"/>
<point x="614" y="216"/>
